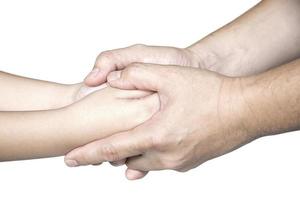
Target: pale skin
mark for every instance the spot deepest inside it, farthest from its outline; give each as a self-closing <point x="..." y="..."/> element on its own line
<point x="44" y="119"/>
<point x="238" y="69"/>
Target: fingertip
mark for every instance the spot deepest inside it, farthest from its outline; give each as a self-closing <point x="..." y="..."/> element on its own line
<point x="71" y="163"/>
<point x="132" y="174"/>
<point x="71" y="158"/>
<point x="89" y="82"/>
<point x="68" y="156"/>
<point x="95" y="77"/>
<point x="93" y="81"/>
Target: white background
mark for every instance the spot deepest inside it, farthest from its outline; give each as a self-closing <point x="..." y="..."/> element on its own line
<point x="58" y="40"/>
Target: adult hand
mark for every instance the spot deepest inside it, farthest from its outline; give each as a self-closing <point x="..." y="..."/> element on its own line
<point x="201" y="117"/>
<point x="118" y="59"/>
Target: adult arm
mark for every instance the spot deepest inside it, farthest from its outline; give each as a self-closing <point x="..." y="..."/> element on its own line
<point x="202" y="115"/>
<point x="266" y="36"/>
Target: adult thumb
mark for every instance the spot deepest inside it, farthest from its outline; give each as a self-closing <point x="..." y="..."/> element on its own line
<point x="139" y="76"/>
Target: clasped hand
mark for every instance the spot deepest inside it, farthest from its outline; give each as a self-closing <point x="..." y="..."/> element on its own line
<point x="199" y="116"/>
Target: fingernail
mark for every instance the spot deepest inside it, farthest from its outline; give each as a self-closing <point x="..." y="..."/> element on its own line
<point x="114" y="76"/>
<point x="71" y="163"/>
<point x="130" y="176"/>
<point x="94" y="72"/>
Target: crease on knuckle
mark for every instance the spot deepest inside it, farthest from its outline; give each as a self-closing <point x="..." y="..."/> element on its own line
<point x="159" y="141"/>
<point x="109" y="153"/>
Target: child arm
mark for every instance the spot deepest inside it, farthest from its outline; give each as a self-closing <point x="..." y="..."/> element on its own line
<point x="37" y="134"/>
<point x="21" y="93"/>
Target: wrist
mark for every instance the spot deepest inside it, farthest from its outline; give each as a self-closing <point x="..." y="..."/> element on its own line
<point x="67" y="95"/>
<point x="237" y="110"/>
<point x="204" y="57"/>
<point x="254" y="106"/>
<point x="221" y="57"/>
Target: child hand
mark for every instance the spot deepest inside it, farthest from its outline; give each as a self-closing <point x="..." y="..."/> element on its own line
<point x="101" y="111"/>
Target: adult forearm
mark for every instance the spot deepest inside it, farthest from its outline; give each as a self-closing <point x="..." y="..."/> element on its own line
<point x="266" y="36"/>
<point x="272" y="100"/>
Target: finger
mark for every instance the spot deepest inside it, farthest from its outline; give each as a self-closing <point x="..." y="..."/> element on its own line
<point x="98" y="75"/>
<point x="143" y="163"/>
<point x="132" y="174"/>
<point x="141" y="110"/>
<point x="111" y="60"/>
<point x="132" y="94"/>
<point x="118" y="162"/>
<point x="113" y="148"/>
<point x="97" y="164"/>
<point x="85" y="91"/>
<point x="141" y="76"/>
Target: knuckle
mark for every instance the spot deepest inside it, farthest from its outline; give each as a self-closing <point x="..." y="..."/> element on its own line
<point x="106" y="54"/>
<point x="170" y="138"/>
<point x="174" y="162"/>
<point x="104" y="57"/>
<point x="162" y="140"/>
<point x="109" y="153"/>
<point x="170" y="164"/>
<point x="158" y="141"/>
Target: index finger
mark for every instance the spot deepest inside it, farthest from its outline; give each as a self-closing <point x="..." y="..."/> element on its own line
<point x="113" y="148"/>
<point x="112" y="60"/>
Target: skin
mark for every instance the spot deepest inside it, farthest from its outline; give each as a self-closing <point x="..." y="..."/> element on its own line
<point x="23" y="94"/>
<point x="265" y="37"/>
<point x="35" y="133"/>
<point x="221" y="114"/>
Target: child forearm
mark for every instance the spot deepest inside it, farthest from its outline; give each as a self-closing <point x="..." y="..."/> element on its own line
<point x="37" y="134"/>
<point x="34" y="134"/>
<point x="20" y="93"/>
